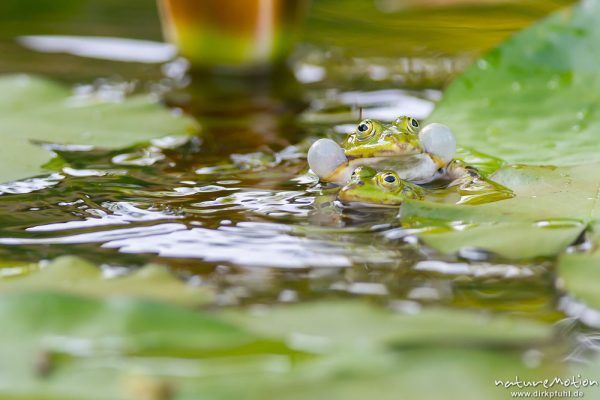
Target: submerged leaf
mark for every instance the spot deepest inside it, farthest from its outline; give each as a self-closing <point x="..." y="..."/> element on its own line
<point x="33" y="109"/>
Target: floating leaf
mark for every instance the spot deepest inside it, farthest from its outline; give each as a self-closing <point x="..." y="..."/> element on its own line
<point x="551" y="207"/>
<point x="75" y="275"/>
<point x="33" y="109"/>
<point x="579" y="273"/>
<point x="348" y="325"/>
<point x="531" y="100"/>
<point x="580" y="276"/>
<point x="453" y="374"/>
<point x="61" y="346"/>
<point x="510" y="240"/>
<point x="534" y="98"/>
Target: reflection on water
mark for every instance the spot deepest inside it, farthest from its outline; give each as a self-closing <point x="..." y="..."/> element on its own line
<point x="252" y="244"/>
<point x="119" y="213"/>
<point x="104" y="48"/>
<point x="30" y="185"/>
<point x="98" y="236"/>
<point x="239" y="198"/>
<point x="236" y="207"/>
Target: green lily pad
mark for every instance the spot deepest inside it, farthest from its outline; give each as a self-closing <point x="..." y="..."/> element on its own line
<point x="364" y="347"/>
<point x="61" y="346"/>
<point x="580" y="276"/>
<point x="453" y="374"/>
<point x="541" y="194"/>
<point x="334" y="326"/>
<point x="533" y="99"/>
<point x="33" y="109"/>
<point x="579" y="273"/>
<point x="551" y="208"/>
<point x="75" y="275"/>
<point x="509" y="240"/>
<point x="529" y="101"/>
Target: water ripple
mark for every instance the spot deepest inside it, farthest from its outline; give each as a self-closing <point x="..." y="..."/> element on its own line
<point x="30" y="185"/>
<point x="261" y="202"/>
<point x="240" y="245"/>
<point x="122" y="213"/>
<point x="100" y="236"/>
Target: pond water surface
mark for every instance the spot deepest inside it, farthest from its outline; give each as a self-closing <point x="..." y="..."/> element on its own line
<point x="235" y="207"/>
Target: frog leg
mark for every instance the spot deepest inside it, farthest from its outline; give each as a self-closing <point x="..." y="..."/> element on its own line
<point x="457" y="171"/>
<point x="473" y="187"/>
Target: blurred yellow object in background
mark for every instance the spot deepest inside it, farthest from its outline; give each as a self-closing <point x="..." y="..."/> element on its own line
<point x="237" y="36"/>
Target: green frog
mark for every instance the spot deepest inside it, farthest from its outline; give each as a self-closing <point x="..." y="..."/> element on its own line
<point x="384" y="164"/>
<point x="417" y="155"/>
<point x="367" y="185"/>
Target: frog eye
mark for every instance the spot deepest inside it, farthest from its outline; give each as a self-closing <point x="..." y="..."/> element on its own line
<point x="407" y="124"/>
<point x="412" y="125"/>
<point x="388" y="180"/>
<point x="365" y="129"/>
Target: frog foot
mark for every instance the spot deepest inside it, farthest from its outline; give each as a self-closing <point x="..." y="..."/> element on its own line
<point x="474" y="188"/>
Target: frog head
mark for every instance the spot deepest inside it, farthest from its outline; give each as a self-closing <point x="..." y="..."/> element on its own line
<point x="370" y="186"/>
<point x="401" y="145"/>
<point x="374" y="139"/>
<point x="407" y="124"/>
